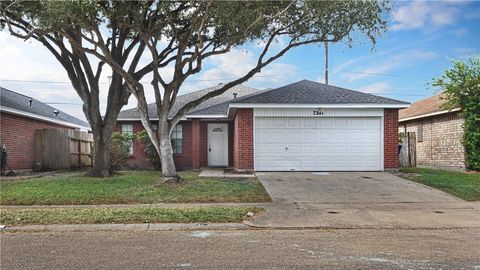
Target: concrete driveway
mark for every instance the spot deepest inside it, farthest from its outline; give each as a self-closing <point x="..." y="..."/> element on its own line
<point x="359" y="200"/>
<point x="347" y="187"/>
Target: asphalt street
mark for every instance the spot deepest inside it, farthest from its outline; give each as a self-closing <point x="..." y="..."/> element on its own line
<point x="244" y="249"/>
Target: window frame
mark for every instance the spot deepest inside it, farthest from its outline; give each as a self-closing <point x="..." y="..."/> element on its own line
<point x="177" y="135"/>
<point x="130" y="132"/>
<point x="420" y="133"/>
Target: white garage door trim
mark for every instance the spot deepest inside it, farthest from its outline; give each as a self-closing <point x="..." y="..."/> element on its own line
<point x="307" y="113"/>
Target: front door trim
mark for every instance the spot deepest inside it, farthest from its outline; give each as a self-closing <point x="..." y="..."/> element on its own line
<point x="217" y="144"/>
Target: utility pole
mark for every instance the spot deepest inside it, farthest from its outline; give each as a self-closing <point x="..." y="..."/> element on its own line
<point x="326" y="62"/>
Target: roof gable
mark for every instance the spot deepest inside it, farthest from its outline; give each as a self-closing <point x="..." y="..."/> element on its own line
<point x="21" y="103"/>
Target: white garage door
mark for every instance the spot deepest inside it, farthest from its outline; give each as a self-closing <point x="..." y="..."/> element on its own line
<point x="318" y="144"/>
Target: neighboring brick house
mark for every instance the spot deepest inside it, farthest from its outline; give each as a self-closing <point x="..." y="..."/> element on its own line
<point x="20" y="118"/>
<point x="304" y="126"/>
<point x="438" y="133"/>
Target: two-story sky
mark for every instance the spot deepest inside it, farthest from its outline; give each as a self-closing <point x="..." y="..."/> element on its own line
<point x="422" y="39"/>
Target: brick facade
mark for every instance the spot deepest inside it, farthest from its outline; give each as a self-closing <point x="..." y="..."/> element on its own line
<point x="195" y="145"/>
<point x="442" y="140"/>
<point x="139" y="159"/>
<point x="390" y="143"/>
<point x="240" y="142"/>
<point x="18" y="134"/>
<point x="243" y="140"/>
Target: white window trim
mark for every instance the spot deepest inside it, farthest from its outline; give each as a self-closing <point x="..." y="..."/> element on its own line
<point x="128" y="132"/>
<point x="173" y="138"/>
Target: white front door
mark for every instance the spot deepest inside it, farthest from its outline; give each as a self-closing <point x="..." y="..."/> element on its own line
<point x="217" y="145"/>
<point x="318" y="144"/>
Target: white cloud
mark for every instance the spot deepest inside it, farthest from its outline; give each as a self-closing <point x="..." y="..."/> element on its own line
<point x="237" y="63"/>
<point x="377" y="88"/>
<point x="398" y="60"/>
<point x="419" y="14"/>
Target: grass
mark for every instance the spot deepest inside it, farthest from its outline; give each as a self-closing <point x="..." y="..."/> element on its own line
<point x="463" y="185"/>
<point x="129" y="187"/>
<point x="18" y="217"/>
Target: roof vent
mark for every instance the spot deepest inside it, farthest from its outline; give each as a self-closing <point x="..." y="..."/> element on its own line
<point x="235" y="95"/>
<point x="30" y="102"/>
<point x="56" y="112"/>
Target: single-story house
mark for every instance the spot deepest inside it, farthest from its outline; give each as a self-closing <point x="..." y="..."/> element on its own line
<point x="20" y="117"/>
<point x="303" y="126"/>
<point x="438" y="133"/>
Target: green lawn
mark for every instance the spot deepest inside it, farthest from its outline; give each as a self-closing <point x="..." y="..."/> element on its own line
<point x="16" y="217"/>
<point x="129" y="187"/>
<point x="463" y="185"/>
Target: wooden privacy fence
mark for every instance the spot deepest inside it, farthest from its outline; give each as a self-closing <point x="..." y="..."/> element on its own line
<point x="59" y="149"/>
<point x="408" y="152"/>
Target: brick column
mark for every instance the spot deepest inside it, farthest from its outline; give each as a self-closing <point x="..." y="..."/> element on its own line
<point x="390" y="142"/>
<point x="243" y="140"/>
<point x="195" y="144"/>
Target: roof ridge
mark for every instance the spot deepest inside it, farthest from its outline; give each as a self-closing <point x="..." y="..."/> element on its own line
<point x="3" y="88"/>
<point x="230" y="101"/>
<point x="353" y="91"/>
<point x="332" y="87"/>
<point x="186" y="94"/>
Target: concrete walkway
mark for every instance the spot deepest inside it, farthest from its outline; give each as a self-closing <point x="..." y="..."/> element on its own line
<point x="360" y="200"/>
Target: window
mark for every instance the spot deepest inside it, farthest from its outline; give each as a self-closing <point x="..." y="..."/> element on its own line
<point x="128" y="129"/>
<point x="177" y="139"/>
<point x="420" y="133"/>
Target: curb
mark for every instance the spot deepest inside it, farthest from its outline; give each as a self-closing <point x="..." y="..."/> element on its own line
<point x="126" y="227"/>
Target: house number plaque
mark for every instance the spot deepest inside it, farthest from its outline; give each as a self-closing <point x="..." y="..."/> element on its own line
<point x="318" y="111"/>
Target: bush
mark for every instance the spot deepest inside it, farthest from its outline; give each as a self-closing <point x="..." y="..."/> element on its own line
<point x="149" y="149"/>
<point x="461" y="85"/>
<point x="120" y="148"/>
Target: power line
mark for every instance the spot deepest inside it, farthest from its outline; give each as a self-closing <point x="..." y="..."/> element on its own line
<point x="228" y="78"/>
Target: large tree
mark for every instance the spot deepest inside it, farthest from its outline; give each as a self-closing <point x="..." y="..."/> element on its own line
<point x="180" y="36"/>
<point x="58" y="28"/>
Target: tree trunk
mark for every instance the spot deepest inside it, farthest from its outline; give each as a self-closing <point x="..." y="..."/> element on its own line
<point x="101" y="157"/>
<point x="169" y="171"/>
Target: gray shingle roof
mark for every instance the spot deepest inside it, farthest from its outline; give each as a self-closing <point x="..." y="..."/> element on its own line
<point x="14" y="100"/>
<point x="309" y="92"/>
<point x="216" y="105"/>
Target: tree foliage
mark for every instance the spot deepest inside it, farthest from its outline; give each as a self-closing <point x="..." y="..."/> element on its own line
<point x="461" y="86"/>
<point x="179" y="36"/>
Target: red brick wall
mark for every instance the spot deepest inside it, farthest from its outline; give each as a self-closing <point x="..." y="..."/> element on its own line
<point x="139" y="158"/>
<point x="243" y="140"/>
<point x="18" y="134"/>
<point x="196" y="143"/>
<point x="390" y="145"/>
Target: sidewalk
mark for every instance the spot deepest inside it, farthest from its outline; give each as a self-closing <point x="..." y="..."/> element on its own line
<point x="301" y="215"/>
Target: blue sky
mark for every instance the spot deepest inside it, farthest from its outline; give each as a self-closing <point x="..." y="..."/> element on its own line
<point x="422" y="39"/>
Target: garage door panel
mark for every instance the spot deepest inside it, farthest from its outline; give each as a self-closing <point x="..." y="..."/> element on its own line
<point x="326" y="135"/>
<point x="310" y="123"/>
<point x="309" y="135"/>
<point x="318" y="144"/>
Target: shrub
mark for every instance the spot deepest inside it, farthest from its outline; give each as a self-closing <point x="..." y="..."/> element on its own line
<point x="461" y="85"/>
<point x="120" y="148"/>
<point x="149" y="149"/>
